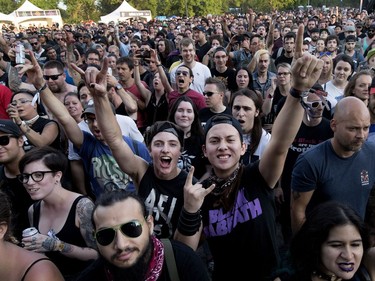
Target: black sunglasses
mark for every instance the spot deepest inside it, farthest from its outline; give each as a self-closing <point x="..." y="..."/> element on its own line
<point x="183" y="73"/>
<point x="53" y="77"/>
<point x="34" y="44"/>
<point x="4" y="140"/>
<point x="208" y="94"/>
<point x="130" y="229"/>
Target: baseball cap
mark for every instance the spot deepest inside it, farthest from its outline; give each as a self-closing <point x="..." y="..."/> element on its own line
<point x="90" y="109"/>
<point x="9" y="127"/>
<point x="223" y="119"/>
<point x="200" y="28"/>
<point x="349" y="28"/>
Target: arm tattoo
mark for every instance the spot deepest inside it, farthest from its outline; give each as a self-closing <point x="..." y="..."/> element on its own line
<point x="85" y="208"/>
<point x="49" y="244"/>
<point x="296" y="195"/>
<point x="67" y="248"/>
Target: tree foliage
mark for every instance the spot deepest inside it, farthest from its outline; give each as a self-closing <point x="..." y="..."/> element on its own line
<point x="8" y="6"/>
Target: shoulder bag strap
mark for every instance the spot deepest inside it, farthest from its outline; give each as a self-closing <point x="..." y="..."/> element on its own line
<point x="170" y="259"/>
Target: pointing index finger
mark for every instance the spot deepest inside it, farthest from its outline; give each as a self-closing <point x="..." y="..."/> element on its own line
<point x="299" y="42"/>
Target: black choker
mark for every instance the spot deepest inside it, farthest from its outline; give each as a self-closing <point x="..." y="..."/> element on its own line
<point x="323" y="276"/>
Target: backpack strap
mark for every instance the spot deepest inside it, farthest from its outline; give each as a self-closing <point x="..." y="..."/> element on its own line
<point x="170" y="259"/>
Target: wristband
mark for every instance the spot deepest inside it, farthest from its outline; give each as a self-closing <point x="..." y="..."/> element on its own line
<point x="159" y="65"/>
<point x="298" y="94"/>
<point x="42" y="88"/>
<point x="189" y="223"/>
<point x="270" y="96"/>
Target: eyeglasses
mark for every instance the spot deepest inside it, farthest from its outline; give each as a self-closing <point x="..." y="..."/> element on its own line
<point x="4" y="140"/>
<point x="105" y="236"/>
<point x="36" y="176"/>
<point x="53" y="77"/>
<point x="183" y="73"/>
<point x="283" y="73"/>
<point x="59" y="39"/>
<point x="209" y="94"/>
<point x="20" y="101"/>
<point x="313" y="104"/>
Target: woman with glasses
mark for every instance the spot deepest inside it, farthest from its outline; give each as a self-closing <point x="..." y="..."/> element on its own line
<point x="38" y="131"/>
<point x="359" y="86"/>
<point x="280" y="88"/>
<point x="62" y="217"/>
<point x="17" y="263"/>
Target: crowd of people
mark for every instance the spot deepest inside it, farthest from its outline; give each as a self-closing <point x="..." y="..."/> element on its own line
<point x="206" y="148"/>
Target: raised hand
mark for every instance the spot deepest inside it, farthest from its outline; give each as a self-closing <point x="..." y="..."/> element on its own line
<point x="194" y="194"/>
<point x="95" y="80"/>
<point x="306" y="68"/>
<point x="33" y="70"/>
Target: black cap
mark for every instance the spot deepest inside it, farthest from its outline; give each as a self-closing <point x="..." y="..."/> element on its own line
<point x="164" y="126"/>
<point x="9" y="127"/>
<point x="223" y="119"/>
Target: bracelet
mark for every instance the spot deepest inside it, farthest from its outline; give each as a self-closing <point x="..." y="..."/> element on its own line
<point x="159" y="65"/>
<point x="298" y="94"/>
<point x="189" y="223"/>
<point x="42" y="88"/>
<point x="270" y="96"/>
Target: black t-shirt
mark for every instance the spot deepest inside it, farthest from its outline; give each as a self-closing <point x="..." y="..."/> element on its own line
<point x="249" y="227"/>
<point x="228" y="77"/>
<point x="20" y="201"/>
<point x="202" y="50"/>
<point x="165" y="199"/>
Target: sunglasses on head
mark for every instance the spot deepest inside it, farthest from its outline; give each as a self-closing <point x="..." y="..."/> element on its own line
<point x="105" y="236"/>
<point x="183" y="73"/>
<point x="4" y="140"/>
<point x="53" y="77"/>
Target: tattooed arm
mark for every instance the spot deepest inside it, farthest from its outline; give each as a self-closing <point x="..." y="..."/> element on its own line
<point x="83" y="216"/>
<point x="298" y="204"/>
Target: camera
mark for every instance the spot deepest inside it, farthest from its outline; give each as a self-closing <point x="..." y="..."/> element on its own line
<point x="146" y="54"/>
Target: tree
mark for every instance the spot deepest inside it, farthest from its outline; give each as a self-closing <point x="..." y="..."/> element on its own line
<point x="79" y="10"/>
<point x="8" y="6"/>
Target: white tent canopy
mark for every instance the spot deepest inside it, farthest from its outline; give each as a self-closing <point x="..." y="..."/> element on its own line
<point x="126" y="11"/>
<point x="28" y="14"/>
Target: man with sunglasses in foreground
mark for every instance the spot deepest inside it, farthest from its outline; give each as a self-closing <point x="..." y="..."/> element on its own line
<point x="128" y="249"/>
<point x="55" y="77"/>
